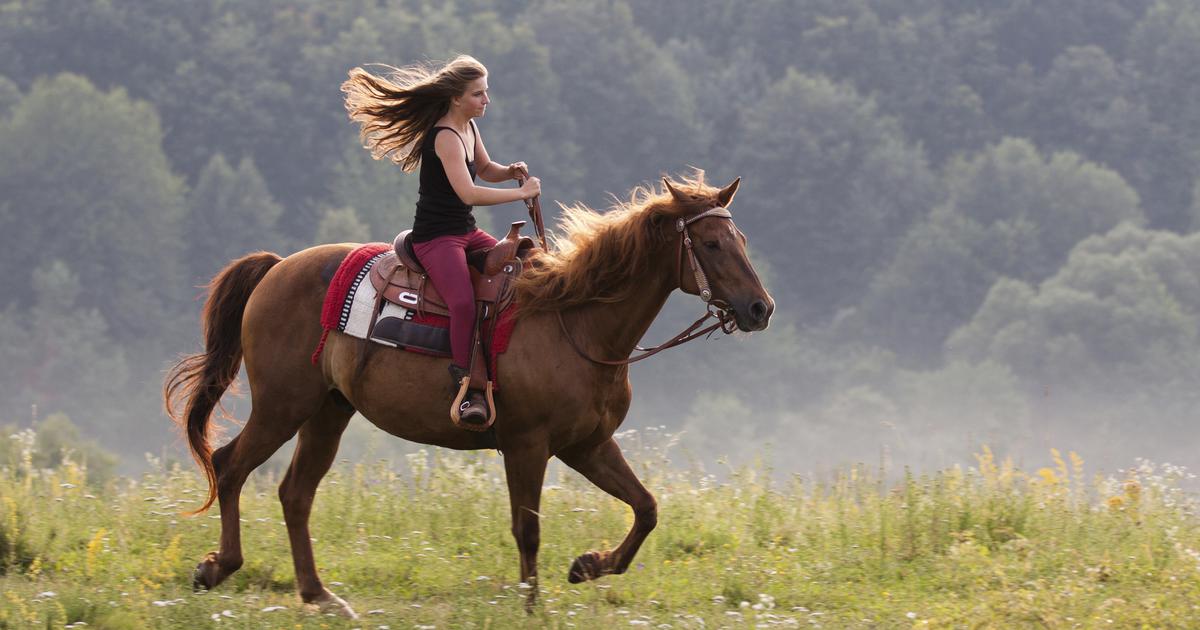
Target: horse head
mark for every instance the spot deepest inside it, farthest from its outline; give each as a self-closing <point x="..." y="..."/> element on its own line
<point x="712" y="261"/>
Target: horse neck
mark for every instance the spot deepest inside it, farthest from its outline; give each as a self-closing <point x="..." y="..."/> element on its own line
<point x="611" y="330"/>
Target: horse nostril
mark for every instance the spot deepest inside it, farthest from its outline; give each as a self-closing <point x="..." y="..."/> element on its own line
<point x="758" y="310"/>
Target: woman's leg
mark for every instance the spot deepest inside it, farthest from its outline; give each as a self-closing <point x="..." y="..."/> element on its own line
<point x="478" y="239"/>
<point x="445" y="259"/>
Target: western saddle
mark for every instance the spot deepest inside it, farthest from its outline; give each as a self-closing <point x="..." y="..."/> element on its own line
<point x="400" y="279"/>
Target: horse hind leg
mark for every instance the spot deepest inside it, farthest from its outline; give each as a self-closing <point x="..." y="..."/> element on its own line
<point x="605" y="466"/>
<point x="316" y="449"/>
<point x="265" y="431"/>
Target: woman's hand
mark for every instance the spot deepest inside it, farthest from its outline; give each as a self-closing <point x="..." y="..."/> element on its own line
<point x="518" y="170"/>
<point x="531" y="188"/>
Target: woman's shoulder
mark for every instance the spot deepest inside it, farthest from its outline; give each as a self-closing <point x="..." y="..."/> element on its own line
<point x="432" y="134"/>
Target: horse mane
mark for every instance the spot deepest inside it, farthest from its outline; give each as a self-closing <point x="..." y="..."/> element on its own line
<point x="598" y="254"/>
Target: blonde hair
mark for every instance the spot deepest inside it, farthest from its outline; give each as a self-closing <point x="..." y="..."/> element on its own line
<point x="397" y="110"/>
<point x="598" y="253"/>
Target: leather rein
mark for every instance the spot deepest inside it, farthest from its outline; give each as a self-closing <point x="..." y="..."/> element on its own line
<point x="535" y="213"/>
<point x="715" y="308"/>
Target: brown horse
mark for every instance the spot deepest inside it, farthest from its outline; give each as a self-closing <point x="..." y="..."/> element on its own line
<point x="608" y="280"/>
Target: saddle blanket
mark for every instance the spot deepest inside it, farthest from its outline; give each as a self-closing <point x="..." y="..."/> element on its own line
<point x="350" y="301"/>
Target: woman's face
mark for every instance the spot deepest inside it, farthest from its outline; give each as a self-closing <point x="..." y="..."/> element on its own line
<point x="474" y="99"/>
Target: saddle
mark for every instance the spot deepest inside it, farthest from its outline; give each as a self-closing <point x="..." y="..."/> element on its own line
<point x="400" y="279"/>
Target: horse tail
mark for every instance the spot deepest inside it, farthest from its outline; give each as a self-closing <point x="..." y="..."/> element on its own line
<point x="196" y="383"/>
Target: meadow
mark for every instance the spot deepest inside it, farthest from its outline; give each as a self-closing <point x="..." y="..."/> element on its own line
<point x="424" y="542"/>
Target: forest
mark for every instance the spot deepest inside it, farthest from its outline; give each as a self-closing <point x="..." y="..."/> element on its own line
<point x="980" y="221"/>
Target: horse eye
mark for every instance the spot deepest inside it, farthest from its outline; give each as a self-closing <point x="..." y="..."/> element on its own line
<point x="712" y="246"/>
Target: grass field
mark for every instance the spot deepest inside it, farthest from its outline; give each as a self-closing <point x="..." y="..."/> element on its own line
<point x="425" y="543"/>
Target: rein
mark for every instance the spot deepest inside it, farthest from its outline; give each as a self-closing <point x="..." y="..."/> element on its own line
<point x="715" y="308"/>
<point x="535" y="213"/>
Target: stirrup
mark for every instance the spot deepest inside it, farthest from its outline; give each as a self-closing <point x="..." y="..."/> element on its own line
<point x="456" y="407"/>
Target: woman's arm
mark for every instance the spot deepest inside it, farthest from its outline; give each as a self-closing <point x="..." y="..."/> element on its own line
<point x="490" y="171"/>
<point x="454" y="159"/>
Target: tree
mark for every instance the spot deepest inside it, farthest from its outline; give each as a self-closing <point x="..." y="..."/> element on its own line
<point x="1165" y="49"/>
<point x="634" y="109"/>
<point x="836" y="185"/>
<point x="382" y="195"/>
<point x="1121" y="317"/>
<point x="341" y="225"/>
<point x="1089" y="104"/>
<point x="10" y="95"/>
<point x="230" y="213"/>
<point x="1195" y="207"/>
<point x="1035" y="32"/>
<point x="1010" y="213"/>
<point x="58" y="355"/>
<point x="84" y="176"/>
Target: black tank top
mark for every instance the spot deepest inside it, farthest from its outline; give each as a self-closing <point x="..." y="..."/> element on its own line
<point x="440" y="212"/>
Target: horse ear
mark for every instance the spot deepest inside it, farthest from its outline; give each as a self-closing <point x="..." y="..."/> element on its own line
<point x="679" y="196"/>
<point x="726" y="194"/>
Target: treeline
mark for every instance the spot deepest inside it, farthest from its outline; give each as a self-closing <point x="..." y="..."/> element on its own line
<point x="975" y="217"/>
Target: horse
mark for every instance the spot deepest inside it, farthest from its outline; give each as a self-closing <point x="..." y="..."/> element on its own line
<point x="583" y="307"/>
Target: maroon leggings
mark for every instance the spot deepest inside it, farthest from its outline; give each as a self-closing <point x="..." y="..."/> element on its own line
<point x="445" y="259"/>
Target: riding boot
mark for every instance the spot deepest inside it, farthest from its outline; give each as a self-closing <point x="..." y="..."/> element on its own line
<point x="473" y="409"/>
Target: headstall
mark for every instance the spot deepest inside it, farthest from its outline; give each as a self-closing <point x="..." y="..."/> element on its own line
<point x="717" y="309"/>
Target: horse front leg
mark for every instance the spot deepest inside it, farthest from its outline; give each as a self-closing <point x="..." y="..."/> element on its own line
<point x="605" y="466"/>
<point x="525" y="469"/>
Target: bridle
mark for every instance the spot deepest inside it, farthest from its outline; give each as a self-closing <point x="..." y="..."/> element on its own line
<point x="685" y="242"/>
<point x="718" y="309"/>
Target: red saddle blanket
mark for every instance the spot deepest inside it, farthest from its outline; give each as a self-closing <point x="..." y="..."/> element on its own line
<point x="351" y="277"/>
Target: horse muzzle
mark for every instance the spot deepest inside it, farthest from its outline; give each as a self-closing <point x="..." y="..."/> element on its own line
<point x="753" y="314"/>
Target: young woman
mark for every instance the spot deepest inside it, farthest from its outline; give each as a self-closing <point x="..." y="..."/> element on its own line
<point x="422" y="117"/>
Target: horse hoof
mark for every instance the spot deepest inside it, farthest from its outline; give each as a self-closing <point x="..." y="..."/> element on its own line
<point x="328" y="602"/>
<point x="206" y="575"/>
<point x="589" y="566"/>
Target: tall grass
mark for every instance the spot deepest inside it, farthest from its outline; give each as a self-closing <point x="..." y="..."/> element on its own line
<point x="425" y="542"/>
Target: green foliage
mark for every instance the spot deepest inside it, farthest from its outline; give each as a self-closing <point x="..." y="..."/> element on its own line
<point x="341" y="225"/>
<point x="1010" y="213"/>
<point x="83" y="172"/>
<point x="58" y="355"/>
<point x="380" y="195"/>
<point x="841" y="185"/>
<point x="887" y="150"/>
<point x="1165" y="48"/>
<point x="230" y="213"/>
<point x="641" y="115"/>
<point x="10" y="95"/>
<point x="54" y="442"/>
<point x="1195" y="208"/>
<point x="1120" y="316"/>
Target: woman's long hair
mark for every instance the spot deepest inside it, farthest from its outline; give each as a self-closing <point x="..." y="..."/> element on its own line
<point x="396" y="110"/>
